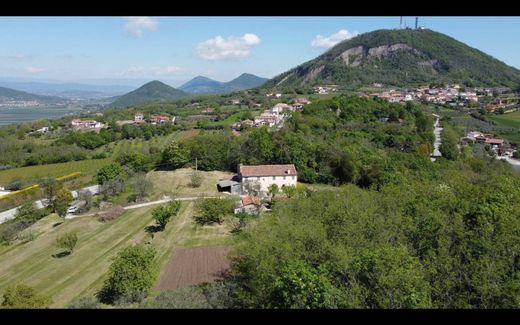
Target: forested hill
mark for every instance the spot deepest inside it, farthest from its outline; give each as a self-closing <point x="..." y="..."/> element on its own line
<point x="152" y="91"/>
<point x="404" y="57"/>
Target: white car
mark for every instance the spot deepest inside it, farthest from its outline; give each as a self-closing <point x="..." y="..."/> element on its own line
<point x="72" y="209"/>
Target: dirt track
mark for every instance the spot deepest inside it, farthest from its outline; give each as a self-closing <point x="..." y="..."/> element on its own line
<point x="190" y="266"/>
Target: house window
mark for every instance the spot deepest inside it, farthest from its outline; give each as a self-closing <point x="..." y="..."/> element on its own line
<point x="284" y="178"/>
<point x="274" y="178"/>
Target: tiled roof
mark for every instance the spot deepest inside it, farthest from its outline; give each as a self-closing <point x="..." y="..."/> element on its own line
<point x="247" y="200"/>
<point x="267" y="170"/>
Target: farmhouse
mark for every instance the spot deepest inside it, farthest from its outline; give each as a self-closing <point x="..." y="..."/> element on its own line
<point x="266" y="175"/>
<point x="91" y="124"/>
<point x="139" y="117"/>
<point x="158" y="119"/>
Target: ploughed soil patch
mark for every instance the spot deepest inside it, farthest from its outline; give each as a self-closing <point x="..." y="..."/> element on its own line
<point x="191" y="266"/>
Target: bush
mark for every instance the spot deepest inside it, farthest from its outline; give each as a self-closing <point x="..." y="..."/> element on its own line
<point x="84" y="303"/>
<point x="67" y="241"/>
<point x="196" y="180"/>
<point x="185" y="298"/>
<point x="131" y="275"/>
<point x="23" y="296"/>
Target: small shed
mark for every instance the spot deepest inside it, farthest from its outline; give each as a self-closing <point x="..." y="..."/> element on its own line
<point x="229" y="185"/>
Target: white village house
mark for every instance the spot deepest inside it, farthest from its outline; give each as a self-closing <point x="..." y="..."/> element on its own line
<point x="266" y="175"/>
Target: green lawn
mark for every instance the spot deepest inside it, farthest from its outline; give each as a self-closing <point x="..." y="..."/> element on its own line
<point x="83" y="272"/>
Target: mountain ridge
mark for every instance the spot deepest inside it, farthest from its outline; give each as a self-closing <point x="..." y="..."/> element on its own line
<point x="403" y="57"/>
<point x="205" y="85"/>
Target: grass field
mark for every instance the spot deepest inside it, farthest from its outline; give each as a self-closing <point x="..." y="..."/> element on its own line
<point x="33" y="173"/>
<point x="508" y="119"/>
<point x="83" y="272"/>
<point x="177" y="182"/>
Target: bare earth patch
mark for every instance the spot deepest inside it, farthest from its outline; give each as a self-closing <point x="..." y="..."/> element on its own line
<point x="191" y="266"/>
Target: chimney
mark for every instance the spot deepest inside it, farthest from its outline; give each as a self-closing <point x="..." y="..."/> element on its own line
<point x="288" y="171"/>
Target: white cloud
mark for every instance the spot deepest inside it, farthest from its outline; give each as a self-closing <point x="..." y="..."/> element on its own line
<point x="328" y="42"/>
<point x="150" y="71"/>
<point x="34" y="69"/>
<point x="232" y="47"/>
<point x="135" y="26"/>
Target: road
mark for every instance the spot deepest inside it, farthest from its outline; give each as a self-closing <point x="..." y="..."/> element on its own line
<point x="141" y="205"/>
<point x="513" y="162"/>
<point x="9" y="214"/>
<point x="438" y="140"/>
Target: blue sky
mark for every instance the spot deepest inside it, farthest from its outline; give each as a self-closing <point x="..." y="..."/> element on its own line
<point x="176" y="49"/>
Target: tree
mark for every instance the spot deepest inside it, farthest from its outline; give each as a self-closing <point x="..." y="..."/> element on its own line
<point x="61" y="201"/>
<point x="175" y="155"/>
<point x="86" y="197"/>
<point x="132" y="274"/>
<point x="50" y="187"/>
<point x="112" y="187"/>
<point x="68" y="241"/>
<point x="163" y="214"/>
<point x="301" y="286"/>
<point x="23" y="296"/>
<point x="213" y="210"/>
<point x="142" y="186"/>
<point x="109" y="172"/>
<point x="273" y="190"/>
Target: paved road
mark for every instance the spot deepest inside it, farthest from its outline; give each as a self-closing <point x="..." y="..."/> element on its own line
<point x="9" y="214"/>
<point x="514" y="162"/>
<point x="437" y="143"/>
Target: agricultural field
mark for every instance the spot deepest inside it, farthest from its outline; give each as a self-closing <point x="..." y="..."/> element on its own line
<point x="509" y="119"/>
<point x="192" y="266"/>
<point x="83" y="272"/>
<point x="32" y="174"/>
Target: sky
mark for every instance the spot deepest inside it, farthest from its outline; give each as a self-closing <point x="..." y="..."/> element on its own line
<point x="120" y="50"/>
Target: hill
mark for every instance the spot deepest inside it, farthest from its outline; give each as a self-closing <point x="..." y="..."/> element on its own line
<point x="204" y="85"/>
<point x="7" y="94"/>
<point x="152" y="91"/>
<point x="404" y="57"/>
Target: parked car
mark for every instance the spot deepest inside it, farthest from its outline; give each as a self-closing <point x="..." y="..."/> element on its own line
<point x="72" y="209"/>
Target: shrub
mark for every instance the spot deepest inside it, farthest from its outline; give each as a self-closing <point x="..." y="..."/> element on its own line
<point x="196" y="180"/>
<point x="23" y="296"/>
<point x="185" y="298"/>
<point x="111" y="214"/>
<point x="84" y="303"/>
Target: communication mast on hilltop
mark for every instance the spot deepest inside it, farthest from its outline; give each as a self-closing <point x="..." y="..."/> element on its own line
<point x="401" y="23"/>
<point x="416" y="22"/>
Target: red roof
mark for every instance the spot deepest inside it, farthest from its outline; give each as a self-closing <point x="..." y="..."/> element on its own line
<point x="494" y="141"/>
<point x="267" y="170"/>
<point x="247" y="200"/>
